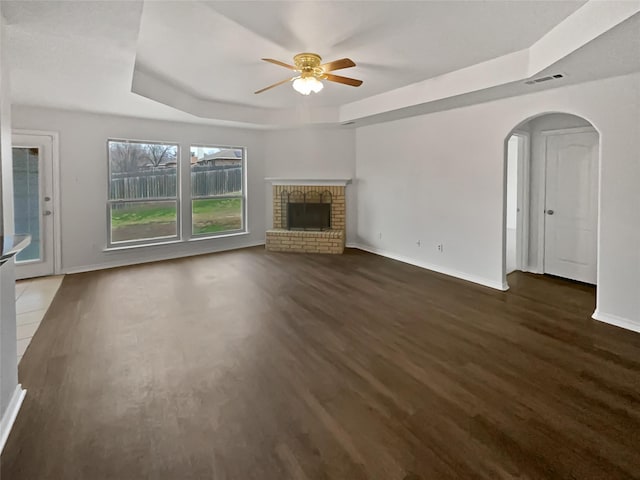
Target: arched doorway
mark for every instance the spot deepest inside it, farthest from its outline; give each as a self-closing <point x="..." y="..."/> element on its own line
<point x="551" y="196"/>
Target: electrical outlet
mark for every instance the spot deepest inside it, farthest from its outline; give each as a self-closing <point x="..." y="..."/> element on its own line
<point x="440" y="247"/>
<point x="418" y="243"/>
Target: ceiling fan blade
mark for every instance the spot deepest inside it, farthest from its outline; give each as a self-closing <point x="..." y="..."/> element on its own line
<point x="282" y="64"/>
<point x="338" y="64"/>
<point x="275" y="85"/>
<point x="345" y="80"/>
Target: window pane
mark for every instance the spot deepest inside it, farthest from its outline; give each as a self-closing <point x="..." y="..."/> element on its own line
<point x="142" y="170"/>
<point x="213" y="215"/>
<point x="216" y="171"/>
<point x="143" y="220"/>
<point x="26" y="199"/>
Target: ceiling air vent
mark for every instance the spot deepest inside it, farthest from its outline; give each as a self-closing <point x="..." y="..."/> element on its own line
<point x="557" y="76"/>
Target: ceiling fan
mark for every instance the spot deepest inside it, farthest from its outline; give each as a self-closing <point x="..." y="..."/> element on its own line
<point x="311" y="72"/>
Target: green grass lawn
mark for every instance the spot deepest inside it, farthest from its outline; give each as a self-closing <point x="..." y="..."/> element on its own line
<point x="149" y="220"/>
<point x="143" y="213"/>
<point x="216" y="215"/>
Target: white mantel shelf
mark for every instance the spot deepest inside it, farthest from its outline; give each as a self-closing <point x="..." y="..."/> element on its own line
<point x="328" y="182"/>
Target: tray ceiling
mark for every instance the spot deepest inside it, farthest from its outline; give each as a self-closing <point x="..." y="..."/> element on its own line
<point x="200" y="61"/>
<point x="213" y="49"/>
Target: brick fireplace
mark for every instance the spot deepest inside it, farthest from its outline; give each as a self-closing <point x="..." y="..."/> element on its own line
<point x="328" y="236"/>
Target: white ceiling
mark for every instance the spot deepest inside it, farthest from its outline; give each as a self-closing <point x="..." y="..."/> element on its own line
<point x="85" y="55"/>
<point x="213" y="49"/>
<point x="78" y="56"/>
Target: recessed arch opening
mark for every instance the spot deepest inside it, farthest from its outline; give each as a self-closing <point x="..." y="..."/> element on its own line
<point x="530" y="226"/>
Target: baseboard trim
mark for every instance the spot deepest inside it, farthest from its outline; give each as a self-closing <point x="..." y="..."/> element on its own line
<point x="126" y="263"/>
<point x="503" y="286"/>
<point x="10" y="415"/>
<point x="616" y="321"/>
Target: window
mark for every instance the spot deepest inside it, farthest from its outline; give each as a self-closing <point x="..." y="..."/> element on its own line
<point x="26" y="199"/>
<point x="143" y="204"/>
<point x="217" y="190"/>
<point x="146" y="202"/>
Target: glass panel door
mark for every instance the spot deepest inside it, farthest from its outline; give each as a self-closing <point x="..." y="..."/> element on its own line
<point x="33" y="203"/>
<point x="26" y="200"/>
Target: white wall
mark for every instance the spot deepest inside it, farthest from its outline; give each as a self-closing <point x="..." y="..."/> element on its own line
<point x="439" y="178"/>
<point x="536" y="126"/>
<point x="311" y="153"/>
<point x="83" y="182"/>
<point x="8" y="354"/>
<point x="6" y="164"/>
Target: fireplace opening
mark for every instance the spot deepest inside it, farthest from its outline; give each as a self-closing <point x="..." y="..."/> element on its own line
<point x="309" y="216"/>
<point x="307" y="211"/>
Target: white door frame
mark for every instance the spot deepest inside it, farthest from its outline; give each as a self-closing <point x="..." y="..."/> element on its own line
<point x="523" y="187"/>
<point x="55" y="166"/>
<point x="540" y="215"/>
<point x="522" y="225"/>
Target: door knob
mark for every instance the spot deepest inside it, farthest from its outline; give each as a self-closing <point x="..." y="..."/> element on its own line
<point x="550" y="212"/>
<point x="46" y="213"/>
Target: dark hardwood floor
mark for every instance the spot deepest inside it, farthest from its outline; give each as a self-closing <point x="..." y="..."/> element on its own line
<point x="253" y="365"/>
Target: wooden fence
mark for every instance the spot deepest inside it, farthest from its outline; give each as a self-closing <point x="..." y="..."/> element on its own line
<point x="161" y="183"/>
<point x="210" y="180"/>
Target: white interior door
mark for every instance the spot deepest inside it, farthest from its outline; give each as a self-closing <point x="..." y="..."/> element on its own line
<point x="33" y="203"/>
<point x="571" y="206"/>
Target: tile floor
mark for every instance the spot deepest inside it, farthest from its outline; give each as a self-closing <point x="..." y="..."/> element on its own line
<point x="33" y="298"/>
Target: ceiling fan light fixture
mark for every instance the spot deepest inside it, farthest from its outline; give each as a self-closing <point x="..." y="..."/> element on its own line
<point x="306" y="85"/>
<point x="311" y="71"/>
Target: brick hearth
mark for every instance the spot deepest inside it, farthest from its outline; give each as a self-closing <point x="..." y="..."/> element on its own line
<point x="327" y="241"/>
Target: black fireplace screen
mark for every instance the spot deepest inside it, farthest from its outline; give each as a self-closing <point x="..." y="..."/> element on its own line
<point x="306" y="211"/>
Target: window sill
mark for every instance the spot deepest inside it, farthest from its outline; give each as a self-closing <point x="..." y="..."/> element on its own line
<point x="175" y="241"/>
<point x="199" y="238"/>
<point x="143" y="245"/>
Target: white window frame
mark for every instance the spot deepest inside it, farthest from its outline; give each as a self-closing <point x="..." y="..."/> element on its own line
<point x="110" y="201"/>
<point x="242" y="196"/>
